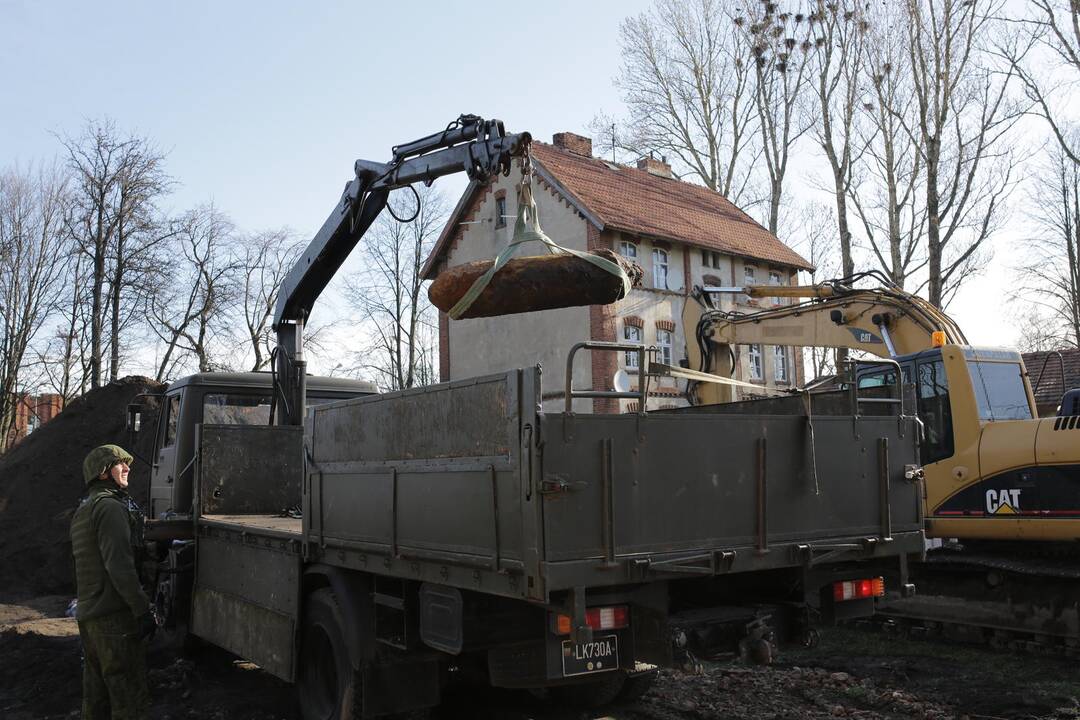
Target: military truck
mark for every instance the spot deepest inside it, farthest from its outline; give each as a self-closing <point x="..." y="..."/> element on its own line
<point x="363" y="545"/>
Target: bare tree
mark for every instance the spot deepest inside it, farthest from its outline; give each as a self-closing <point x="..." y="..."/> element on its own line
<point x="116" y="180"/>
<point x="264" y="260"/>
<point x="839" y="31"/>
<point x="963" y="111"/>
<point x="32" y="253"/>
<point x="64" y="361"/>
<point x="686" y="81"/>
<point x="139" y="230"/>
<point x="889" y="171"/>
<point x="388" y="292"/>
<point x="819" y="244"/>
<point x="780" y="52"/>
<point x="1053" y="30"/>
<point x="190" y="313"/>
<point x="1050" y="276"/>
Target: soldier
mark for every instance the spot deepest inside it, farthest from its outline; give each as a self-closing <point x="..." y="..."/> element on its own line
<point x="114" y="614"/>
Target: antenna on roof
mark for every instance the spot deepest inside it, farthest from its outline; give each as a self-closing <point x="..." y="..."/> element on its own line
<point x="612" y="142"/>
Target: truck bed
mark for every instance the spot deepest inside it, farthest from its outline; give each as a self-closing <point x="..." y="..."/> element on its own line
<point x="470" y="484"/>
<point x="274" y="523"/>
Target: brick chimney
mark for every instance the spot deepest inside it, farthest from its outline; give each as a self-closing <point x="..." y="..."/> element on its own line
<point x="655" y="167"/>
<point x="573" y="143"/>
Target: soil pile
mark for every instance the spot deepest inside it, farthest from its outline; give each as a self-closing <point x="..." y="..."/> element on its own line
<point x="41" y="483"/>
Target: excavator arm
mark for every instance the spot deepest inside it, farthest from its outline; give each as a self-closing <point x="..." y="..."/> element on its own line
<point x="883" y="321"/>
<point x="470" y="144"/>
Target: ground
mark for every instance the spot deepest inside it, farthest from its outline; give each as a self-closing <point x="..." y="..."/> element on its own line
<point x="851" y="674"/>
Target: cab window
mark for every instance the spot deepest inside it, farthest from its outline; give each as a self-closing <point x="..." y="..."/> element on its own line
<point x="172" y="416"/>
<point x="879" y="379"/>
<point x="236" y="409"/>
<point x="245" y="408"/>
<point x="999" y="391"/>
<point x="934" y="410"/>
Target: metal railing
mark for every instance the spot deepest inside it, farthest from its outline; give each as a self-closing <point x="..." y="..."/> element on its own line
<point x="640" y="395"/>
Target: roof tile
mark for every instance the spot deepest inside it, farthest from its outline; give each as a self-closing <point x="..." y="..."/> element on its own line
<point x="636" y="201"/>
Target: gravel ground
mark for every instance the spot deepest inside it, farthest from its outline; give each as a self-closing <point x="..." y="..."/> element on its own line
<point x="851" y="674"/>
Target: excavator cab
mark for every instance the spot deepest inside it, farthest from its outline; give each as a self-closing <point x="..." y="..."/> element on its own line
<point x="997" y="382"/>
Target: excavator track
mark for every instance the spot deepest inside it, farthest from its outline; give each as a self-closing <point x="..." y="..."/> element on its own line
<point x="1021" y="601"/>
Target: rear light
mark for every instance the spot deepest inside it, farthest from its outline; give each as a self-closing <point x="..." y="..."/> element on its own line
<point x="598" y="618"/>
<point x="858" y="589"/>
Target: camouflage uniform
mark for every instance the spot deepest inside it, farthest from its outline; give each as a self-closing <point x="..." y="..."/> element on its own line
<point x="112" y="609"/>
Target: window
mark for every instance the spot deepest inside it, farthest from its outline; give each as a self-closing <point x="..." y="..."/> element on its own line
<point x="236" y="409"/>
<point x="659" y="268"/>
<point x="886" y="378"/>
<point x="749" y="278"/>
<point x="780" y="364"/>
<point x="500" y="212"/>
<point x="774" y="279"/>
<point x="172" y="416"/>
<point x="934" y="410"/>
<point x="628" y="250"/>
<point x="663" y="344"/>
<point x="710" y="258"/>
<point x="999" y="391"/>
<point x="755" y="362"/>
<point x="631" y="334"/>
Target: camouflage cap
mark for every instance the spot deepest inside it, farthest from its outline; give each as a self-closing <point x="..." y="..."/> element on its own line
<point x="101" y="459"/>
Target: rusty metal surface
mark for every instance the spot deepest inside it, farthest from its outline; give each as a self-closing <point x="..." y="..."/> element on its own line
<point x="264" y="478"/>
<point x="529" y="284"/>
<point x="470" y="418"/>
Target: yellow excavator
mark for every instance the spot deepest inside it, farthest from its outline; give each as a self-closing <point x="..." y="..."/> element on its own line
<point x="993" y="470"/>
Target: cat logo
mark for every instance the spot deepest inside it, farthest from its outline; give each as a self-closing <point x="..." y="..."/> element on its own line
<point x="865" y="336"/>
<point x="1003" y="502"/>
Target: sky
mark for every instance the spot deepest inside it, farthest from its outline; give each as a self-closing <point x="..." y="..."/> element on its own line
<point x="262" y="107"/>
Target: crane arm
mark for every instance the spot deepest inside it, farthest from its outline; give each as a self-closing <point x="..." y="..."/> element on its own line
<point x="470" y="144"/>
<point x="884" y="321"/>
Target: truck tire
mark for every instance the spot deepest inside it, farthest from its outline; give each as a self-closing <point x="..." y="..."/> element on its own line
<point x="328" y="687"/>
<point x="591" y="694"/>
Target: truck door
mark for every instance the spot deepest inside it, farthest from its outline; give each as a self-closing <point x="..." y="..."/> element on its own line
<point x="163" y="472"/>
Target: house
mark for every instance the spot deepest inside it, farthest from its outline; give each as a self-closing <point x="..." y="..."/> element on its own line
<point x="31" y="412"/>
<point x="681" y="234"/>
<point x="1052" y="373"/>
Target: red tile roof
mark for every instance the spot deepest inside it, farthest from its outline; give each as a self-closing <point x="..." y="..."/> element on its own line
<point x="635" y="201"/>
<point x="1046" y="373"/>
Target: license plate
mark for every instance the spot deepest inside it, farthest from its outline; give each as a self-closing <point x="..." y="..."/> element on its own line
<point x="600" y="654"/>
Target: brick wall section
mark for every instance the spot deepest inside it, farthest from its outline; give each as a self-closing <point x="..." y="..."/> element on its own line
<point x="38" y="409"/>
<point x="602" y="326"/>
<point x="444" y="347"/>
<point x="577" y="144"/>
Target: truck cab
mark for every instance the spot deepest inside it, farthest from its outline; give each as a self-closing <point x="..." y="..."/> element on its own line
<point x="221" y="399"/>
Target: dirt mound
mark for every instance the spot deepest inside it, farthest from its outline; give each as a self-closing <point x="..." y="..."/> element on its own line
<point x="41" y="483"/>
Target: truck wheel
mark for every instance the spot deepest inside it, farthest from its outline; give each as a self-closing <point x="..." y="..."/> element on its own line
<point x="328" y="687"/>
<point x="591" y="694"/>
